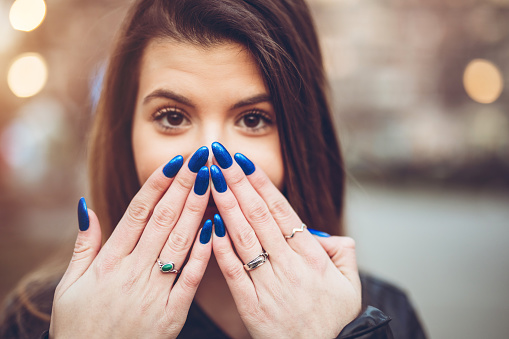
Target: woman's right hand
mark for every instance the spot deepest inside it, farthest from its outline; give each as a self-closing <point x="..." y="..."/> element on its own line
<point x="118" y="290"/>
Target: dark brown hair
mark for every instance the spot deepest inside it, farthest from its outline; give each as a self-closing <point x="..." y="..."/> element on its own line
<point x="281" y="37"/>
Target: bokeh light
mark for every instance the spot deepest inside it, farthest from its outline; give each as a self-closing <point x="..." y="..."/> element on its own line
<point x="27" y="15"/>
<point x="27" y="75"/>
<point x="483" y="81"/>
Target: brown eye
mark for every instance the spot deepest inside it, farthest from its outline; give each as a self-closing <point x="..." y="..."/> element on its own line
<point x="255" y="121"/>
<point x="251" y="120"/>
<point x="175" y="119"/>
<point x="171" y="120"/>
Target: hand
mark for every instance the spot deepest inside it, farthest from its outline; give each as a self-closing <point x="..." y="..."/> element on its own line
<point x="118" y="291"/>
<point x="339" y="249"/>
<point x="299" y="292"/>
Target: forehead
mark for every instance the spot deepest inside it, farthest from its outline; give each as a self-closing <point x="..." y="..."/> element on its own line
<point x="166" y="60"/>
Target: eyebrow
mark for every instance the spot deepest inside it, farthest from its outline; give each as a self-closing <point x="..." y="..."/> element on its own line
<point x="252" y="101"/>
<point x="164" y="93"/>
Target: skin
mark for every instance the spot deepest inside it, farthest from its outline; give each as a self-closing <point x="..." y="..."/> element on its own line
<point x="118" y="288"/>
<point x="212" y="81"/>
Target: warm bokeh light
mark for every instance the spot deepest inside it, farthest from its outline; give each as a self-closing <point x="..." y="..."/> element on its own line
<point x="483" y="81"/>
<point x="27" y="15"/>
<point x="27" y="75"/>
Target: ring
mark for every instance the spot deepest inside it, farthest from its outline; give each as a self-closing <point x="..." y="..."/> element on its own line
<point x="295" y="230"/>
<point x="257" y="262"/>
<point x="167" y="267"/>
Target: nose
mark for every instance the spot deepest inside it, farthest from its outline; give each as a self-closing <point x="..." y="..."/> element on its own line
<point x="212" y="131"/>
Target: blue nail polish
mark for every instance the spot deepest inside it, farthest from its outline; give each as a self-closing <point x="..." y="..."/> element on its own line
<point x="202" y="181"/>
<point x="206" y="232"/>
<point x="247" y="166"/>
<point x="199" y="159"/>
<point x="173" y="166"/>
<point x="219" y="226"/>
<point x="224" y="159"/>
<point x="319" y="233"/>
<point x="83" y="220"/>
<point x="218" y="179"/>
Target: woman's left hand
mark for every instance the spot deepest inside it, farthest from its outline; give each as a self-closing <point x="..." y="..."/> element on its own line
<point x="299" y="292"/>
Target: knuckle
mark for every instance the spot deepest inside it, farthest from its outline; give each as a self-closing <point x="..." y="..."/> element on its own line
<point x="259" y="181"/>
<point x="236" y="178"/>
<point x="316" y="261"/>
<point x="157" y="185"/>
<point x="81" y="250"/>
<point x="184" y="183"/>
<point x="179" y="241"/>
<point x="164" y="217"/>
<point x="195" y="207"/>
<point x="229" y="205"/>
<point x="130" y="282"/>
<point x="281" y="208"/>
<point x="190" y="281"/>
<point x="348" y="242"/>
<point x="107" y="265"/>
<point x="234" y="272"/>
<point x="247" y="239"/>
<point x="259" y="213"/>
<point x="292" y="277"/>
<point x="222" y="250"/>
<point x="277" y="294"/>
<point x="139" y="212"/>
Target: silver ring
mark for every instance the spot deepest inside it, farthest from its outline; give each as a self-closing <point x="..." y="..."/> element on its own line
<point x="295" y="230"/>
<point x="257" y="262"/>
<point x="167" y="267"/>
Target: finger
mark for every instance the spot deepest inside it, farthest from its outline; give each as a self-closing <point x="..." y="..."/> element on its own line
<point x="180" y="240"/>
<point x="341" y="250"/>
<point x="88" y="244"/>
<point x="279" y="207"/>
<point x="183" y="292"/>
<point x="173" y="205"/>
<point x="238" y="280"/>
<point x="243" y="236"/>
<point x="252" y="205"/>
<point x="127" y="233"/>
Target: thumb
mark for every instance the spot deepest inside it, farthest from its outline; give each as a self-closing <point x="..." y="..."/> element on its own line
<point x="341" y="250"/>
<point x="88" y="244"/>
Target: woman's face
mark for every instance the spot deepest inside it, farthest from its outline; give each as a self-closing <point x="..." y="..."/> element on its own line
<point x="190" y="96"/>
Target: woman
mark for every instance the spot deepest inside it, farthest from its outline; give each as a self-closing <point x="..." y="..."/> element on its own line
<point x="241" y="76"/>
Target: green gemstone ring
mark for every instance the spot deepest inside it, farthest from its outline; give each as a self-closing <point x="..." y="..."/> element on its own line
<point x="167" y="267"/>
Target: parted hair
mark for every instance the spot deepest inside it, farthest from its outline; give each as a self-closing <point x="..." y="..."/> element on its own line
<point x="281" y="37"/>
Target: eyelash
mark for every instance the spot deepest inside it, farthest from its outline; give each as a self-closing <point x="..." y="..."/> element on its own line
<point x="263" y="115"/>
<point x="163" y="112"/>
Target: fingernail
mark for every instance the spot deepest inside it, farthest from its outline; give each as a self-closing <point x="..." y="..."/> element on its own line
<point x="83" y="220"/>
<point x="173" y="166"/>
<point x="219" y="226"/>
<point x="206" y="232"/>
<point x="222" y="156"/>
<point x="247" y="166"/>
<point x="202" y="181"/>
<point x="319" y="233"/>
<point x="218" y="179"/>
<point x="198" y="159"/>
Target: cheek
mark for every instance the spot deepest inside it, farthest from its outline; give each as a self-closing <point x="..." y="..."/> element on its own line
<point x="271" y="162"/>
<point x="150" y="151"/>
<point x="276" y="174"/>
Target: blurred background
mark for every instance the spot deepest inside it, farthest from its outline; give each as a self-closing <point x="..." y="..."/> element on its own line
<point x="421" y="105"/>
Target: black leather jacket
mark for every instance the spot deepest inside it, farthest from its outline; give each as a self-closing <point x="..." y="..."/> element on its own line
<point x="387" y="313"/>
<point x="397" y="320"/>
